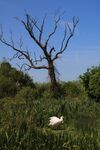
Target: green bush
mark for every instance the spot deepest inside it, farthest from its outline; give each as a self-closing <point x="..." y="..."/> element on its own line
<point x="12" y="80"/>
<point x="91" y="82"/>
<point x="7" y="87"/>
<point x="21" y="78"/>
<point x="5" y="69"/>
<point x="27" y="93"/>
<point x="72" y="88"/>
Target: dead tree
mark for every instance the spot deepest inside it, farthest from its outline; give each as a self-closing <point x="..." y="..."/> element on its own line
<point x="49" y="53"/>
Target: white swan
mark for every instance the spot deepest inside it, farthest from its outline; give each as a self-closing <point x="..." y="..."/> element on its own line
<point x="55" y="121"/>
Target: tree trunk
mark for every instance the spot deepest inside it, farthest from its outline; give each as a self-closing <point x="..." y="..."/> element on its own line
<point x="51" y="71"/>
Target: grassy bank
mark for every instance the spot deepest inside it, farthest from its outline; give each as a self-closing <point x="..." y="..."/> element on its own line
<point x="24" y="124"/>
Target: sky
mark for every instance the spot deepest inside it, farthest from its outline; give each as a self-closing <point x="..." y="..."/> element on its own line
<point x="83" y="50"/>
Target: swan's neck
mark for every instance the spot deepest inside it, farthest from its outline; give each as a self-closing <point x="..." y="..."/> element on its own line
<point x="61" y="118"/>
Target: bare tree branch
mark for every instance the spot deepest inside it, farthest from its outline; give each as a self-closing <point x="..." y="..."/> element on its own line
<point x="41" y="58"/>
<point x="24" y="65"/>
<point x="51" y="50"/>
<point x="67" y="39"/>
<point x="1" y="31"/>
<point x="29" y="27"/>
<point x="53" y="32"/>
<point x="21" y="54"/>
<point x="20" y="43"/>
<point x="64" y="38"/>
<point x="42" y="27"/>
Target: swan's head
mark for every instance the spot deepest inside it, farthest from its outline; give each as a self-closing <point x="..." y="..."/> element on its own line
<point x="61" y="118"/>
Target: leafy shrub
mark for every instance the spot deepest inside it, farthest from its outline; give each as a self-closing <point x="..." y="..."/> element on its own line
<point x="5" y="69"/>
<point x="71" y="89"/>
<point x="12" y="80"/>
<point x="7" y="87"/>
<point x="91" y="82"/>
<point x="21" y="79"/>
<point x="27" y="93"/>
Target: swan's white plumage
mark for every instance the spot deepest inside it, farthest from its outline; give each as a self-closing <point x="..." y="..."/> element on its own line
<point x="55" y="121"/>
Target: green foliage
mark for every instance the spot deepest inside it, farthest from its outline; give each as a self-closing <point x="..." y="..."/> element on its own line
<point x="24" y="118"/>
<point x="35" y="139"/>
<point x="21" y="79"/>
<point x="5" y="68"/>
<point x="12" y="80"/>
<point x="72" y="89"/>
<point x="27" y="93"/>
<point x="7" y="87"/>
<point x="25" y="126"/>
<point x="91" y="82"/>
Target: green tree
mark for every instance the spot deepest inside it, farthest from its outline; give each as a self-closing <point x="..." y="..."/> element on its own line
<point x="72" y="88"/>
<point x="12" y="80"/>
<point x="91" y="82"/>
<point x="21" y="78"/>
<point x="7" y="87"/>
<point x="5" y="68"/>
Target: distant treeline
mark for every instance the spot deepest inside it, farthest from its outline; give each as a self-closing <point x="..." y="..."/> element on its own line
<point x="13" y="81"/>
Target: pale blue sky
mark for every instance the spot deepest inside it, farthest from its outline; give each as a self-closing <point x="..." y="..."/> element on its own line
<point x="84" y="48"/>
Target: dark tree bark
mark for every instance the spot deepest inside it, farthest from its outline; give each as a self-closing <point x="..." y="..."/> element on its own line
<point x="52" y="75"/>
<point x="49" y="53"/>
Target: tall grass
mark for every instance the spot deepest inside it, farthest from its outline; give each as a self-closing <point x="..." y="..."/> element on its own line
<point x="38" y="139"/>
<point x="24" y="124"/>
